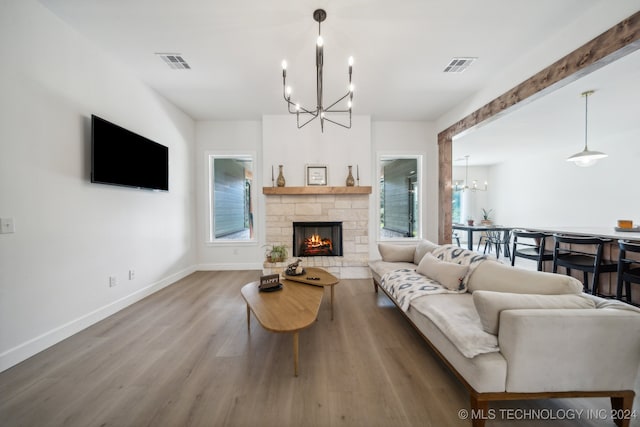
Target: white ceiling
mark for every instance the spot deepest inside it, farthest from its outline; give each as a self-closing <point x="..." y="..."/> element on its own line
<point x="556" y="121"/>
<point x="400" y="48"/>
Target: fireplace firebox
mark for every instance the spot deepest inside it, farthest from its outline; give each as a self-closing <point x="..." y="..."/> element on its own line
<point x="317" y="239"/>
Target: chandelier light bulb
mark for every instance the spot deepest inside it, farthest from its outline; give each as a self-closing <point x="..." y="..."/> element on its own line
<point x="319" y="41"/>
<point x="349" y="104"/>
<point x="351" y="87"/>
<point x="297" y="107"/>
<point x="350" y="61"/>
<point x="288" y="90"/>
<point x="284" y="64"/>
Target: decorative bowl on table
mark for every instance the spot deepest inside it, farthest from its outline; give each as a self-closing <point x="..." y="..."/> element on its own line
<point x="295" y="272"/>
<point x="295" y="269"/>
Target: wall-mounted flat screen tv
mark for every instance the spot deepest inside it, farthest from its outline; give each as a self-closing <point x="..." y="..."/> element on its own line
<point x="121" y="157"/>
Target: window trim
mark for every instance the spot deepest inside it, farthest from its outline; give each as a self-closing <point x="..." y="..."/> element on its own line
<point x="210" y="157"/>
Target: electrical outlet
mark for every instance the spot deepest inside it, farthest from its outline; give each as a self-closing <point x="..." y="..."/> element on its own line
<point x="132" y="274"/>
<point x="113" y="281"/>
<point x="7" y="226"/>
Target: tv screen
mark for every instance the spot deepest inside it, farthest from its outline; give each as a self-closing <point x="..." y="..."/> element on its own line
<point x="121" y="157"/>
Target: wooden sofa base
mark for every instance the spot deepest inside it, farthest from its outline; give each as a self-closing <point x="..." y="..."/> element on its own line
<point x="621" y="400"/>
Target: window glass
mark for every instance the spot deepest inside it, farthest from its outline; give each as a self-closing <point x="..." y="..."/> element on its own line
<point x="455" y="206"/>
<point x="399" y="195"/>
<point x="231" y="182"/>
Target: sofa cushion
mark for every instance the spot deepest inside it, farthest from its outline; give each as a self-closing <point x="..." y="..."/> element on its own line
<point x="448" y="274"/>
<point x="498" y="277"/>
<point x="424" y="247"/>
<point x="397" y="253"/>
<point x="490" y="304"/>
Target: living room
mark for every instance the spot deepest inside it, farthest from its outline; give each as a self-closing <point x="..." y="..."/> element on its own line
<point x="71" y="236"/>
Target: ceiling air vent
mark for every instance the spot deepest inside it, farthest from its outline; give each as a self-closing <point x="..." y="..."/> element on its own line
<point x="174" y="61"/>
<point x="458" y="65"/>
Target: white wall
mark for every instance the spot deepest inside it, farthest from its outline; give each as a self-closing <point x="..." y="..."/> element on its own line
<point x="233" y="137"/>
<point x="276" y="140"/>
<point x="410" y="138"/>
<point x="548" y="191"/>
<point x="336" y="147"/>
<point x="588" y="24"/>
<point x="472" y="202"/>
<point x="72" y="235"/>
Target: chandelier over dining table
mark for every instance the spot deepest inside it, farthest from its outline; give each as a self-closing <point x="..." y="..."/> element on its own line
<point x="330" y="114"/>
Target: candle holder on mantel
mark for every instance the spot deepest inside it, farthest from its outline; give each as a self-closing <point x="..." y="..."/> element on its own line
<point x="350" y="181"/>
<point x="281" y="182"/>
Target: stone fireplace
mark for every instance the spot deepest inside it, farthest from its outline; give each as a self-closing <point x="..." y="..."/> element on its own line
<point x="351" y="210"/>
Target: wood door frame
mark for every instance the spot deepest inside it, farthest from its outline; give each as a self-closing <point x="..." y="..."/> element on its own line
<point x="616" y="42"/>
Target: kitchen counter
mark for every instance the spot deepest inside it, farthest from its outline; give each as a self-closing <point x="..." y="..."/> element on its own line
<point x="605" y="232"/>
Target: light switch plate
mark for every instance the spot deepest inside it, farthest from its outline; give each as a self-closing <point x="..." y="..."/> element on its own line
<point x="7" y="226"/>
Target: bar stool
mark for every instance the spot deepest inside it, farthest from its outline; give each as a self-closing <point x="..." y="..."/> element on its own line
<point x="578" y="256"/>
<point x="628" y="269"/>
<point x="533" y="247"/>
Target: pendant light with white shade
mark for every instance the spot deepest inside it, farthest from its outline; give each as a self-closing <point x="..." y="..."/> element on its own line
<point x="586" y="157"/>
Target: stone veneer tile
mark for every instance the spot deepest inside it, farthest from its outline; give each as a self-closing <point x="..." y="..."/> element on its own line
<point x="308" y="209"/>
<point x="352" y="210"/>
<point x="279" y="209"/>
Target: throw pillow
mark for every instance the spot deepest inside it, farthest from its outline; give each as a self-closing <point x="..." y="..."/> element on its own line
<point x="448" y="274"/>
<point x="397" y="253"/>
<point x="490" y="304"/>
<point x="424" y="247"/>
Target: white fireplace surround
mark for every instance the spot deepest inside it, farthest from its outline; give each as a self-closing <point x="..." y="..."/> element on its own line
<point x="351" y="209"/>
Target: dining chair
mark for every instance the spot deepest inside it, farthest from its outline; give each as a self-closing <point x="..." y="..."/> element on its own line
<point x="584" y="254"/>
<point x="483" y="239"/>
<point x="530" y="245"/>
<point x="628" y="269"/>
<point x="500" y="240"/>
<point x="456" y="237"/>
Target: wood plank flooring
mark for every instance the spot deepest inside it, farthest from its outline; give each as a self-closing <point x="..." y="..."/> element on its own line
<point x="183" y="357"/>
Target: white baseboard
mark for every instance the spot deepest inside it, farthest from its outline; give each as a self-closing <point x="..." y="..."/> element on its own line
<point x="35" y="345"/>
<point x="231" y="266"/>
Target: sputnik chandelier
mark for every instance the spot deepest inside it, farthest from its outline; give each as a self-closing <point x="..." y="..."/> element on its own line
<point x="320" y="111"/>
<point x="474" y="184"/>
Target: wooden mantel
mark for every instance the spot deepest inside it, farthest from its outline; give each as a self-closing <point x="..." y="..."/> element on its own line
<point x="272" y="191"/>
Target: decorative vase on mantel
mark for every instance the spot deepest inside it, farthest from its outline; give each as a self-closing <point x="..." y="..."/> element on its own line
<point x="280" y="181"/>
<point x="350" y="181"/>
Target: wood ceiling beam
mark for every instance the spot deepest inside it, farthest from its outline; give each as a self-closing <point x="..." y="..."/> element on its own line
<point x="616" y="42"/>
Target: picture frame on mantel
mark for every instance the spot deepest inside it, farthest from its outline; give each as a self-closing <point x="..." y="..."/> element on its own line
<point x="316" y="175"/>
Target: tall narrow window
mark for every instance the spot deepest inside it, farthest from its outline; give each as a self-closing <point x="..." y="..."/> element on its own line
<point x="456" y="206"/>
<point x="400" y="196"/>
<point x="231" y="183"/>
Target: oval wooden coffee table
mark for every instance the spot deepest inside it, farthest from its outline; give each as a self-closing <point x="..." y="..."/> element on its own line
<point x="289" y="310"/>
<point x="317" y="277"/>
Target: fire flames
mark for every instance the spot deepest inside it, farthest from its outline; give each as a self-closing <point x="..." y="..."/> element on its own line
<point x="316" y="245"/>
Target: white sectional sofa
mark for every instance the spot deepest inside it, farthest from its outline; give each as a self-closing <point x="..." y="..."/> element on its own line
<point x="509" y="333"/>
